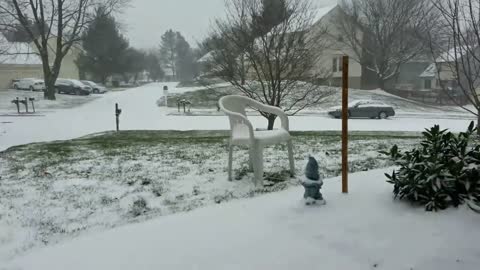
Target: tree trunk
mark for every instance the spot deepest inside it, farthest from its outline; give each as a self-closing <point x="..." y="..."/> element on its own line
<point x="478" y="122"/>
<point x="381" y="83"/>
<point x="271" y="121"/>
<point x="49" y="93"/>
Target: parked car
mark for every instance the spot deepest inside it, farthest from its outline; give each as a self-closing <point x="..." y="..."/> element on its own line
<point x="96" y="87"/>
<point x="73" y="87"/>
<point x="365" y="109"/>
<point x="31" y="84"/>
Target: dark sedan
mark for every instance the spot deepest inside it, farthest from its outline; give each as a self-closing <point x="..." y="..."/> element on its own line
<point x="365" y="109"/>
<point x="73" y="87"/>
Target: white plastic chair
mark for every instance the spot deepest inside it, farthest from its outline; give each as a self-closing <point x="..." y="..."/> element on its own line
<point x="243" y="133"/>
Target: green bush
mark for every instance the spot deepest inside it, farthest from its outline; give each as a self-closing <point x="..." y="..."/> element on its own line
<point x="443" y="171"/>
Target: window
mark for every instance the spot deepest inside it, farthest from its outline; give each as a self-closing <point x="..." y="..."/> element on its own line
<point x="428" y="84"/>
<point x="337" y="64"/>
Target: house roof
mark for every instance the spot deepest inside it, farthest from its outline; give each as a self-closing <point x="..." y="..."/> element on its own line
<point x="322" y="12"/>
<point x="208" y="57"/>
<point x="452" y="55"/>
<point x="430" y="71"/>
<point x="17" y="53"/>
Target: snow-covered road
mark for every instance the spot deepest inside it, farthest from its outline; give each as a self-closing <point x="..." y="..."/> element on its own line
<point x="141" y="112"/>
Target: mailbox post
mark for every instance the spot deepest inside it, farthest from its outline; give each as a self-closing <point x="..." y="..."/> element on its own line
<point x="165" y="94"/>
<point x="25" y="102"/>
<point x="17" y="103"/>
<point x="118" y="111"/>
<point x="33" y="104"/>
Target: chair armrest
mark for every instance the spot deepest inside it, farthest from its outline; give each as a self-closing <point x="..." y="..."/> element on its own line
<point x="239" y="118"/>
<point x="273" y="110"/>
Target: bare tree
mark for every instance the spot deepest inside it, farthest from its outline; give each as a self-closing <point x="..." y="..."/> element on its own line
<point x="383" y="34"/>
<point x="271" y="64"/>
<point x="459" y="30"/>
<point x="54" y="26"/>
<point x="4" y="22"/>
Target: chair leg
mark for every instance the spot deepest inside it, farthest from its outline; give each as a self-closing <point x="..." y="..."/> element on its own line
<point x="258" y="165"/>
<point x="230" y="160"/>
<point x="290" y="158"/>
<point x="251" y="156"/>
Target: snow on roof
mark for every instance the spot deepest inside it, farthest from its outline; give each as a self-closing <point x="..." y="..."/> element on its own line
<point x="168" y="71"/>
<point x="206" y="58"/>
<point x="452" y="55"/>
<point x="17" y="53"/>
<point x="430" y="71"/>
<point x="321" y="12"/>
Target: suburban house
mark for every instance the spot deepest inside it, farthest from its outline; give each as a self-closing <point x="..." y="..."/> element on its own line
<point x="17" y="60"/>
<point x="20" y="60"/>
<point x="360" y="77"/>
<point x="440" y="78"/>
<point x="330" y="61"/>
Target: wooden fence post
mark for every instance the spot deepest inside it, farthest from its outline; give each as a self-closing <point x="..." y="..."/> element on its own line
<point x="345" y="116"/>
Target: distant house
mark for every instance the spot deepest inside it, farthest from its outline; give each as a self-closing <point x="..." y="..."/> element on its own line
<point x="360" y="77"/>
<point x="441" y="76"/>
<point x="169" y="75"/>
<point x="330" y="61"/>
<point x="17" y="60"/>
<point x="21" y="60"/>
<point x="205" y="64"/>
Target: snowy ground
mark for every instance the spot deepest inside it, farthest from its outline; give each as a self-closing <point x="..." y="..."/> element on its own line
<point x="363" y="230"/>
<point x="140" y="112"/>
<point x="52" y="192"/>
<point x="55" y="191"/>
<point x="205" y="100"/>
<point x="42" y="106"/>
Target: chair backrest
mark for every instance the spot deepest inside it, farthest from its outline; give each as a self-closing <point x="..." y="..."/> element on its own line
<point x="234" y="103"/>
<point x="234" y="107"/>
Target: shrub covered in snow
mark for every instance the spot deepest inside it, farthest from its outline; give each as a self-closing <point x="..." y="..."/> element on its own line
<point x="443" y="171"/>
<point x="139" y="207"/>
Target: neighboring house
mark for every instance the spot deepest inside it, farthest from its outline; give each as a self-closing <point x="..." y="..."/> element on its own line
<point x="440" y="74"/>
<point x="330" y="61"/>
<point x="69" y="68"/>
<point x="205" y="64"/>
<point x="408" y="74"/>
<point x="21" y="60"/>
<point x="441" y="80"/>
<point x="169" y="75"/>
<point x="360" y="77"/>
<point x="17" y="60"/>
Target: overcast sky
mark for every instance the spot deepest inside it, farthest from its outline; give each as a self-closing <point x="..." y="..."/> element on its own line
<point x="146" y="20"/>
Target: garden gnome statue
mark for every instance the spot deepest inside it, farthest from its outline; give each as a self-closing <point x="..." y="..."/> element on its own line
<point x="312" y="183"/>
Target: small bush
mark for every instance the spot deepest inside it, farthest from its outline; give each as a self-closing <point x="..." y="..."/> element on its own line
<point x="139" y="207"/>
<point x="443" y="171"/>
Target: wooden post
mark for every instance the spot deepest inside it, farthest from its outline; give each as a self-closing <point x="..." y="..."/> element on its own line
<point x="18" y="105"/>
<point x="117" y="116"/>
<point x="26" y="104"/>
<point x="345" y="125"/>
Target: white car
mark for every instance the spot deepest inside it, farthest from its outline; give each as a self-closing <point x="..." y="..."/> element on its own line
<point x="29" y="84"/>
<point x="97" y="88"/>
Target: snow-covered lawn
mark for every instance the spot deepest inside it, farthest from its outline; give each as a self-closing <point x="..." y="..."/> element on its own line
<point x="140" y="112"/>
<point x="55" y="191"/>
<point x="42" y="106"/>
<point x="363" y="230"/>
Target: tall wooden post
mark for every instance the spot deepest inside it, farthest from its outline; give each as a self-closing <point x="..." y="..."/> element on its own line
<point x="345" y="125"/>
